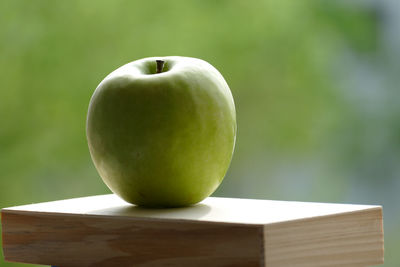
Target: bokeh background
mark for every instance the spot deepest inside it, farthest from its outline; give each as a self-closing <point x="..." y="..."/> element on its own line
<point x="316" y="85"/>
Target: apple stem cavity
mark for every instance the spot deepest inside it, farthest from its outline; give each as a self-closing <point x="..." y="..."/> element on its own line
<point x="160" y="65"/>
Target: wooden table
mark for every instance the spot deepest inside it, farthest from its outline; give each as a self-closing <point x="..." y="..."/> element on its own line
<point x="106" y="231"/>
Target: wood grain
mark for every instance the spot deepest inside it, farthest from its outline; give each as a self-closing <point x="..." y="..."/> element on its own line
<point x="97" y="241"/>
<point x="350" y="239"/>
<point x="105" y="231"/>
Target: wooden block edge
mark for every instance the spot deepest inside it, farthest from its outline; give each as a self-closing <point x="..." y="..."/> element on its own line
<point x="377" y="212"/>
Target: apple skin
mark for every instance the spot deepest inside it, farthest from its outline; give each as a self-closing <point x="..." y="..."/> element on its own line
<point x="162" y="139"/>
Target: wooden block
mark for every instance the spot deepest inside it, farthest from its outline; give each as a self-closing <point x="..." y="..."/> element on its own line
<point x="106" y="231"/>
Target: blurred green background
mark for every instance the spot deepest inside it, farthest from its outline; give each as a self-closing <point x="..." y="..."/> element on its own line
<point x="316" y="85"/>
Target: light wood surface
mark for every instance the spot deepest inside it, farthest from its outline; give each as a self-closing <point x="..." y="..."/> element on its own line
<point x="106" y="231"/>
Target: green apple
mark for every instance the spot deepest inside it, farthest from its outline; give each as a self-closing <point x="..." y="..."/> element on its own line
<point x="161" y="131"/>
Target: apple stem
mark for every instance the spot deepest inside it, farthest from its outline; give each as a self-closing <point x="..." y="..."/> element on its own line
<point x="160" y="65"/>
